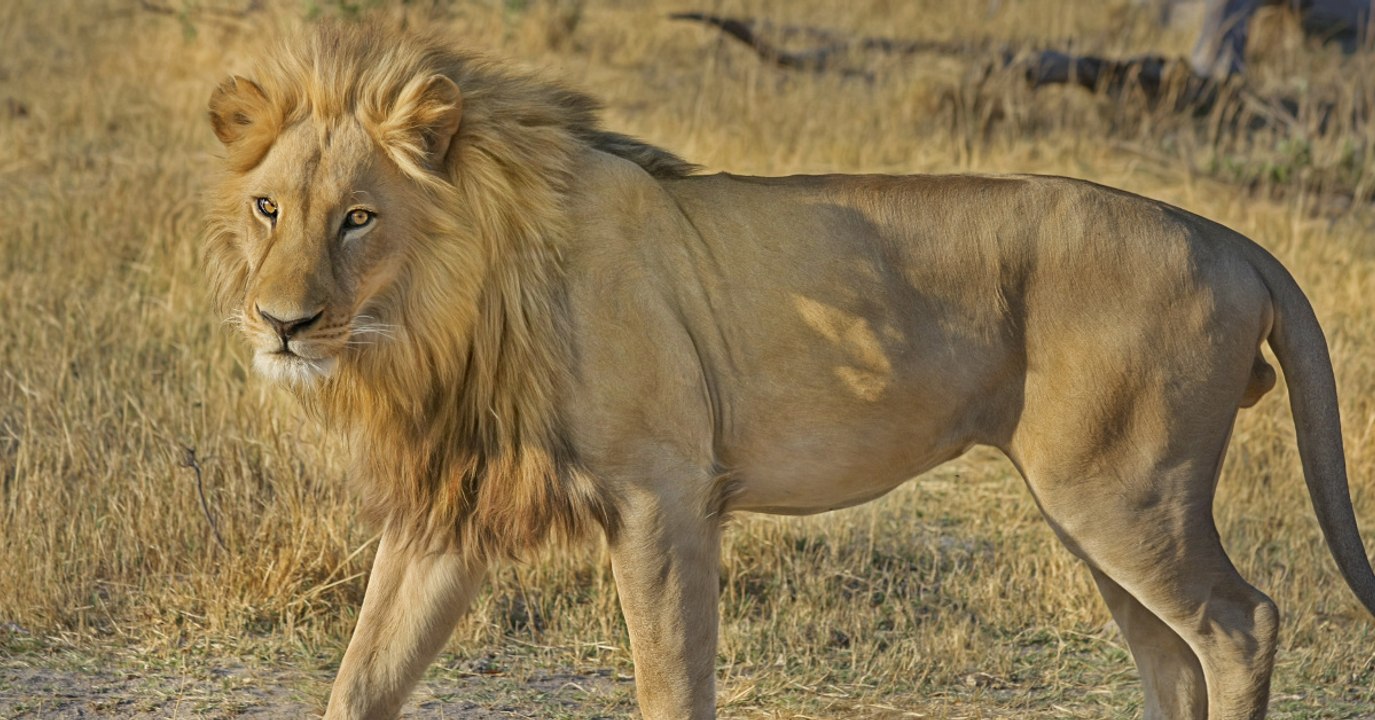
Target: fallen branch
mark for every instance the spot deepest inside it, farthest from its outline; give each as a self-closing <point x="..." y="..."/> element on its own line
<point x="1154" y="76"/>
<point x="748" y="31"/>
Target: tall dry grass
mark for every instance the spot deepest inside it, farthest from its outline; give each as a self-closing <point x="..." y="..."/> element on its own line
<point x="948" y="597"/>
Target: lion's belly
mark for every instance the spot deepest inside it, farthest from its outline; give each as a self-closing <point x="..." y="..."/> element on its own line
<point x="812" y="467"/>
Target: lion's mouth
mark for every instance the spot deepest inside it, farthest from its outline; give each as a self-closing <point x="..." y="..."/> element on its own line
<point x="296" y="370"/>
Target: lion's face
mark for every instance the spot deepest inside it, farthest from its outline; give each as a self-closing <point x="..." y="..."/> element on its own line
<point x="321" y="220"/>
<point x="316" y="219"/>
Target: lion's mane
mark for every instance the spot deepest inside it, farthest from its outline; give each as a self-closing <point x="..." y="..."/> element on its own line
<point x="455" y="419"/>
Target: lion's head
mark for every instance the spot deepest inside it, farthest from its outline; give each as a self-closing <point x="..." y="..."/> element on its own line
<point x="383" y="187"/>
<point x="386" y="234"/>
<point x="325" y="199"/>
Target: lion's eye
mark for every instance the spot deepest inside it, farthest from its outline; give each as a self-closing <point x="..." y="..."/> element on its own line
<point x="267" y="208"/>
<point x="357" y="218"/>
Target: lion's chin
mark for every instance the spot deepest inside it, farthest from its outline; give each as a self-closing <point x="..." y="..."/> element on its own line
<point x="293" y="370"/>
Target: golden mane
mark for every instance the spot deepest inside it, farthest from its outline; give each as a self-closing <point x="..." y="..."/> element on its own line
<point x="454" y="419"/>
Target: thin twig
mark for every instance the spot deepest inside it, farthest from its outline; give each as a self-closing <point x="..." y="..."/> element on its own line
<point x="188" y="460"/>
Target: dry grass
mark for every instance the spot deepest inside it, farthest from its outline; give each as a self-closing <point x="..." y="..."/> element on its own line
<point x="948" y="598"/>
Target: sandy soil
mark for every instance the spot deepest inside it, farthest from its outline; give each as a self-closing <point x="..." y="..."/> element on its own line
<point x="28" y="689"/>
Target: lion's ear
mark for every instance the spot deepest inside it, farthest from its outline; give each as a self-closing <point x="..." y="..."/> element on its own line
<point x="235" y="107"/>
<point x="424" y="121"/>
<point x="244" y="120"/>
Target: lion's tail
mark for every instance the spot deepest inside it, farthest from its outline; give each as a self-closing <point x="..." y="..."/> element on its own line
<point x="1299" y="345"/>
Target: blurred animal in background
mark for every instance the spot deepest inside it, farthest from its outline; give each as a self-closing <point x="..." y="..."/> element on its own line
<point x="1224" y="26"/>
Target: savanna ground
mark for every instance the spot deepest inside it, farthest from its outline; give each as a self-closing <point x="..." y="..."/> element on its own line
<point x="949" y="598"/>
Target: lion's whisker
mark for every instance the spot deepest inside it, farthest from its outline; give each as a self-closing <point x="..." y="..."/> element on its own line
<point x="385" y="332"/>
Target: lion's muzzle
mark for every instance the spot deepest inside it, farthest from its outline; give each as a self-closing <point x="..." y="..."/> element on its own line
<point x="285" y="329"/>
<point x="293" y="345"/>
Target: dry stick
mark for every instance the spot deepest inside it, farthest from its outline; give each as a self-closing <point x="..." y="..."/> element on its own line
<point x="819" y="59"/>
<point x="188" y="460"/>
<point x="743" y="30"/>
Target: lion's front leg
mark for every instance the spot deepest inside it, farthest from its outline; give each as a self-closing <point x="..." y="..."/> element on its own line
<point x="417" y="591"/>
<point x="666" y="559"/>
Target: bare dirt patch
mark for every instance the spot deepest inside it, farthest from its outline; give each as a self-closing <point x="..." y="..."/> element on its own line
<point x="31" y="689"/>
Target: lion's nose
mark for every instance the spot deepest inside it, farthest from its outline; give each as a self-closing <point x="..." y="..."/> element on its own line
<point x="286" y="328"/>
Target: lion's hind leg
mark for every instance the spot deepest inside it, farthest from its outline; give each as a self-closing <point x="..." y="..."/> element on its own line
<point x="1170" y="673"/>
<point x="1150" y="534"/>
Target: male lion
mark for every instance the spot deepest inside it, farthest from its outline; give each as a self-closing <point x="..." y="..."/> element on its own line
<point x="528" y="325"/>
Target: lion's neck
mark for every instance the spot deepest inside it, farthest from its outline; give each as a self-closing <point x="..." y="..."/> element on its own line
<point x="466" y="432"/>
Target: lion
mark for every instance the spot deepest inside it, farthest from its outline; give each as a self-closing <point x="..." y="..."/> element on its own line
<point x="529" y="327"/>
